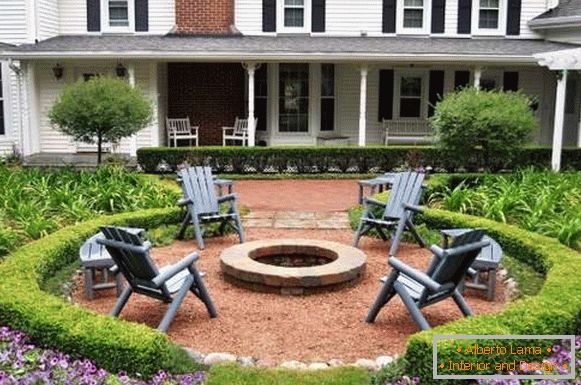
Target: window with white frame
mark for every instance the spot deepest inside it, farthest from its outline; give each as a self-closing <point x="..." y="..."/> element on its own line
<point x="293" y="106"/>
<point x="413" y="14"/>
<point x="411" y="96"/>
<point x="295" y="15"/>
<point x="2" y="116"/>
<point x="118" y="15"/>
<point x="489" y="14"/>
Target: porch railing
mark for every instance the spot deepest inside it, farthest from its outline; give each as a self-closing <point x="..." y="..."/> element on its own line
<point x="414" y="131"/>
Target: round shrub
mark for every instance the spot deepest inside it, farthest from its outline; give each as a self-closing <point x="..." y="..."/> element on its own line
<point x="484" y="128"/>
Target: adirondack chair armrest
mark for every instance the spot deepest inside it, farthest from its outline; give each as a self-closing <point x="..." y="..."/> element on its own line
<point x="184" y="201"/>
<point x="471" y="272"/>
<point x="374" y="202"/>
<point x="227" y="198"/>
<point x="175" y="268"/>
<point x="466" y="248"/>
<point x="121" y="245"/>
<point x="414" y="274"/>
<point x="437" y="251"/>
<point x="114" y="269"/>
<point x="417" y="209"/>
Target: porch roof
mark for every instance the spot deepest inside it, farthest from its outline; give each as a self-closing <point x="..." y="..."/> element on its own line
<point x="566" y="13"/>
<point x="289" y="48"/>
<point x="569" y="59"/>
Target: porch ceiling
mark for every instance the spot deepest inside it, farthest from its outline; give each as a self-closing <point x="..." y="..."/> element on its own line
<point x="288" y="48"/>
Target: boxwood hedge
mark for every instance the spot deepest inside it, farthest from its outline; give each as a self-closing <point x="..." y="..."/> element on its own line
<point x="112" y="343"/>
<point x="324" y="159"/>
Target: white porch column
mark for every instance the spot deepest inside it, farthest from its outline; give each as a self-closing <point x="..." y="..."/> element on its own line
<point x="559" y="121"/>
<point x="363" y="105"/>
<point x="251" y="70"/>
<point x="133" y="139"/>
<point x="477" y="77"/>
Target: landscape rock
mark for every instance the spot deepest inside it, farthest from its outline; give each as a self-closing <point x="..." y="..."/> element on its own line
<point x="334" y="363"/>
<point x="195" y="355"/>
<point x="219" y="358"/>
<point x="246" y="361"/>
<point x="295" y="365"/>
<point x="318" y="366"/>
<point x="366" y="364"/>
<point x="265" y="363"/>
<point x="382" y="361"/>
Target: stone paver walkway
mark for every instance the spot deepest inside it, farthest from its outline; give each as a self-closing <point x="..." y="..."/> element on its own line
<point x="296" y="220"/>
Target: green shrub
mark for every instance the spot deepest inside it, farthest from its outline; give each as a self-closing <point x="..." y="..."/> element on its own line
<point x="484" y="129"/>
<point x="100" y="110"/>
<point x="112" y="343"/>
<point x="330" y="159"/>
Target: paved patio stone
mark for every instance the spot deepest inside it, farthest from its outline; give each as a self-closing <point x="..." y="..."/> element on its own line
<point x="297" y="220"/>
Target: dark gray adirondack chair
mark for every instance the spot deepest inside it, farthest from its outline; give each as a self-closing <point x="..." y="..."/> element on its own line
<point x="169" y="284"/>
<point x="405" y="194"/>
<point x="441" y="281"/>
<point x="203" y="205"/>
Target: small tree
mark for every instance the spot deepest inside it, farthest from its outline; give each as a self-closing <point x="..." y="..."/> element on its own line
<point x="100" y="110"/>
<point x="484" y="128"/>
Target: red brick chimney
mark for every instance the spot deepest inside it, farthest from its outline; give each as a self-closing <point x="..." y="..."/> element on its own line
<point x="204" y="16"/>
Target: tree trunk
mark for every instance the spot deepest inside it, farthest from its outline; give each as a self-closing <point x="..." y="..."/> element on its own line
<point x="99" y="149"/>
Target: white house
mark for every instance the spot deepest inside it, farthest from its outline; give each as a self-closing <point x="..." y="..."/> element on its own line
<point x="311" y="71"/>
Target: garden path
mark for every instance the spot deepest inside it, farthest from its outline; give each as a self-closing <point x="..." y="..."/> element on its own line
<point x="297" y="204"/>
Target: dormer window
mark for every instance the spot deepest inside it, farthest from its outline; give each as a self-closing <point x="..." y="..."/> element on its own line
<point x="488" y="14"/>
<point x="413" y="16"/>
<point x="295" y="16"/>
<point x="118" y="13"/>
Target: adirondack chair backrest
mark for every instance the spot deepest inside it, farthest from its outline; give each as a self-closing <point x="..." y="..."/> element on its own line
<point x="178" y="126"/>
<point x="131" y="255"/>
<point x="452" y="269"/>
<point x="406" y="188"/>
<point x="198" y="186"/>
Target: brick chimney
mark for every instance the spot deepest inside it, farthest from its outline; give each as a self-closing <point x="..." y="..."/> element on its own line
<point x="204" y="16"/>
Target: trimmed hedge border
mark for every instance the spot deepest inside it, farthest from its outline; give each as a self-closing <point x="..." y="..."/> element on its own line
<point x="113" y="344"/>
<point x="329" y="159"/>
<point x="555" y="310"/>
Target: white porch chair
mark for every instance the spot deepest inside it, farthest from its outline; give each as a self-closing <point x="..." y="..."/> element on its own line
<point x="414" y="131"/>
<point x="178" y="129"/>
<point x="238" y="132"/>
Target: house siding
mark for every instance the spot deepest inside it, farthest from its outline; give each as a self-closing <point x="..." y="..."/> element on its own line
<point x="48" y="19"/>
<point x="349" y="18"/>
<point x="205" y="16"/>
<point x="13" y="22"/>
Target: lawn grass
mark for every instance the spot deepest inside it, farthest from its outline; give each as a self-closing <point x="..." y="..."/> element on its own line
<point x="236" y="375"/>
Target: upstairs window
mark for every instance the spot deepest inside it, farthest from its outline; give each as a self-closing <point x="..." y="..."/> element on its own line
<point x="488" y="14"/>
<point x="413" y="14"/>
<point x="295" y="16"/>
<point x="118" y="13"/>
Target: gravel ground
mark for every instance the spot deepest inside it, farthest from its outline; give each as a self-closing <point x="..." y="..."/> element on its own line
<point x="274" y="327"/>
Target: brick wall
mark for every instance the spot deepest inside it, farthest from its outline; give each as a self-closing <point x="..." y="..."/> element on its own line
<point x="211" y="94"/>
<point x="204" y="16"/>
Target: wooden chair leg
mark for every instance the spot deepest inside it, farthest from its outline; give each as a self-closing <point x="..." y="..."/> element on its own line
<point x="184" y="226"/>
<point x="491" y="291"/>
<point x="464" y="308"/>
<point x="89" y="293"/>
<point x="239" y="227"/>
<point x="175" y="304"/>
<point x="199" y="289"/>
<point x="198" y="232"/>
<point x="412" y="307"/>
<point x="385" y="295"/>
<point x="414" y="231"/>
<point x="121" y="301"/>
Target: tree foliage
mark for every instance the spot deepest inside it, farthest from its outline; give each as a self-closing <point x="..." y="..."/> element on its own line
<point x="100" y="110"/>
<point x="484" y="128"/>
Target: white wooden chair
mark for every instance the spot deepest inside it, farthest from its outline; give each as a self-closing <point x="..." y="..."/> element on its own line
<point x="178" y="129"/>
<point x="237" y="133"/>
<point x="408" y="131"/>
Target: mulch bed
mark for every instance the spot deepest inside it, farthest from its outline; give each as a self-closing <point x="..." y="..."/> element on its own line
<point x="278" y="328"/>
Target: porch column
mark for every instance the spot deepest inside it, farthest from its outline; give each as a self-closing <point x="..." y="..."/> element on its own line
<point x="363" y="105"/>
<point x="251" y="70"/>
<point x="477" y="77"/>
<point x="133" y="139"/>
<point x="579" y="131"/>
<point x="559" y="120"/>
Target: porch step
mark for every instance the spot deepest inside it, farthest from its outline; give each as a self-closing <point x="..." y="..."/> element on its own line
<point x="296" y="220"/>
<point x="76" y="160"/>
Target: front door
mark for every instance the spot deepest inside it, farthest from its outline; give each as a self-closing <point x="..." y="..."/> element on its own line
<point x="293" y="98"/>
<point x="572" y="110"/>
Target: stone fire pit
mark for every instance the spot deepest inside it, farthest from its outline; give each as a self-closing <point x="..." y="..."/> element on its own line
<point x="292" y="266"/>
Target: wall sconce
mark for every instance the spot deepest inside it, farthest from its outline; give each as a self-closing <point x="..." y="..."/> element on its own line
<point x="121" y="70"/>
<point x="58" y="71"/>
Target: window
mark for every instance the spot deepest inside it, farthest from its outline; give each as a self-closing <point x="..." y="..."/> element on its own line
<point x="488" y="14"/>
<point x="293" y="98"/>
<point x="413" y="14"/>
<point x="118" y="13"/>
<point x="2" y="117"/>
<point x="294" y="13"/>
<point x="327" y="97"/>
<point x="261" y="97"/>
<point x="488" y="84"/>
<point x="411" y="96"/>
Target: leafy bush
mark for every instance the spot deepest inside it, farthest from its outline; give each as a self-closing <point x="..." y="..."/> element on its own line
<point x="329" y="159"/>
<point x="543" y="202"/>
<point x="36" y="202"/>
<point x="484" y="128"/>
<point x="99" y="110"/>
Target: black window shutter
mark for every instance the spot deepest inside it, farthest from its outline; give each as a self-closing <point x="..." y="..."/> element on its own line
<point x="464" y="16"/>
<point x="461" y="79"/>
<point x="510" y="81"/>
<point x="389" y="16"/>
<point x="141" y="15"/>
<point x="318" y="16"/>
<point x="93" y="15"/>
<point x="513" y="17"/>
<point x="436" y="89"/>
<point x="385" y="94"/>
<point x="268" y="15"/>
<point x="438" y="15"/>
